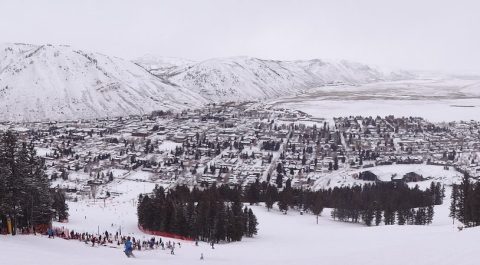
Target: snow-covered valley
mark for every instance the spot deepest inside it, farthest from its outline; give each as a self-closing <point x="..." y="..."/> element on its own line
<point x="437" y="99"/>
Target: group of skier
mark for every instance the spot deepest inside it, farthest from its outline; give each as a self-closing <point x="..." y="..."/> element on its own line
<point x="129" y="243"/>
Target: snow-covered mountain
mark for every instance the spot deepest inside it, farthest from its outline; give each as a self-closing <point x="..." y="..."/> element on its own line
<point x="39" y="82"/>
<point x="45" y="82"/>
<point x="246" y="78"/>
<point x="163" y="66"/>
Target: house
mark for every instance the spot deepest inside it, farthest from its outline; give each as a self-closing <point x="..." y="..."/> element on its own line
<point x="412" y="177"/>
<point x="140" y="134"/>
<point x="368" y="176"/>
<point x="409" y="177"/>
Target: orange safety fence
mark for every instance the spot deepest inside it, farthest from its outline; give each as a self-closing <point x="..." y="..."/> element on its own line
<point x="164" y="234"/>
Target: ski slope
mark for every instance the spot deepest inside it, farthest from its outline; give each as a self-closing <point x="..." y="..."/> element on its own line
<point x="290" y="239"/>
<point x="282" y="239"/>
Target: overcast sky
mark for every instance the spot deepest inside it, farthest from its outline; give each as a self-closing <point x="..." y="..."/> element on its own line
<point x="411" y="34"/>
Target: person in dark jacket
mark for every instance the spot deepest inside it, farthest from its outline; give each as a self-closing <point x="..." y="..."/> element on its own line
<point x="50" y="233"/>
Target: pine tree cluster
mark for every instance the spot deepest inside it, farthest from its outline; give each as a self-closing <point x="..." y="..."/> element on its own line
<point x="213" y="214"/>
<point x="396" y="202"/>
<point x="465" y="204"/>
<point x="371" y="203"/>
<point x="25" y="194"/>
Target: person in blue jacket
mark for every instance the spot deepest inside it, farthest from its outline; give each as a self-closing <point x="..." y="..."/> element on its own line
<point x="128" y="247"/>
<point x="50" y="233"/>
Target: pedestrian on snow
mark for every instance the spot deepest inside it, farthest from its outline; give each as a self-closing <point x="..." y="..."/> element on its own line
<point x="128" y="247"/>
<point x="50" y="233"/>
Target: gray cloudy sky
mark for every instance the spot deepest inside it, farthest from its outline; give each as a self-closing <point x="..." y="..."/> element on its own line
<point x="411" y="34"/>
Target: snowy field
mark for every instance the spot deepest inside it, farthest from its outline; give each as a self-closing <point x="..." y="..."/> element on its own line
<point x="290" y="239"/>
<point x="344" y="177"/>
<point x="433" y="99"/>
<point x="282" y="239"/>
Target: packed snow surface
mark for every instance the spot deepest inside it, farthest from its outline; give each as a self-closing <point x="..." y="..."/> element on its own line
<point x="290" y="239"/>
<point x="282" y="239"/>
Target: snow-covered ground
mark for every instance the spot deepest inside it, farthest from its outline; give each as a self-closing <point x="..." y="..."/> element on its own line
<point x="290" y="239"/>
<point x="282" y="239"/>
<point x="168" y="146"/>
<point x="345" y="177"/>
<point x="436" y="100"/>
<point x="452" y="110"/>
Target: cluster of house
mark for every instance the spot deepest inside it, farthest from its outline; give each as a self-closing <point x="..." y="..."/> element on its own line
<point x="239" y="144"/>
<point x="412" y="140"/>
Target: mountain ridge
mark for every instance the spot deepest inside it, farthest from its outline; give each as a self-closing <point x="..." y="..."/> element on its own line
<point x="227" y="78"/>
<point x="55" y="82"/>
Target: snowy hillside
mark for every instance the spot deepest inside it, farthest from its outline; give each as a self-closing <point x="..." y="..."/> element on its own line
<point x="282" y="239"/>
<point x="60" y="82"/>
<point x="163" y="66"/>
<point x="246" y="78"/>
<point x="45" y="82"/>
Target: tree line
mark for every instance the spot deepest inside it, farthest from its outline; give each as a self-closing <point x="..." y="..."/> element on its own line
<point x="389" y="202"/>
<point x="26" y="198"/>
<point x="213" y="214"/>
<point x="465" y="203"/>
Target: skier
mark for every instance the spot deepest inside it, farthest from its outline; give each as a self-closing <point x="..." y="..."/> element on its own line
<point x="128" y="248"/>
<point x="151" y="242"/>
<point x="50" y="233"/>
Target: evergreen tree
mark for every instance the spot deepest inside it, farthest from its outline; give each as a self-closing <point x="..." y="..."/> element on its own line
<point x="368" y="216"/>
<point x="378" y="216"/>
<point x="253" y="193"/>
<point x="454" y="202"/>
<point x="252" y="224"/>
<point x="285" y="199"/>
<point x="429" y="214"/>
<point x="270" y="196"/>
<point x="25" y="194"/>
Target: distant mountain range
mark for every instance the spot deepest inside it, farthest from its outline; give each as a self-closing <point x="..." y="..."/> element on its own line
<point x="247" y="78"/>
<point x="45" y="82"/>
